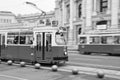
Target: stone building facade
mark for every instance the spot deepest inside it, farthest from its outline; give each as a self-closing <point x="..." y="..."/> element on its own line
<point x="7" y="18"/>
<point x="88" y="17"/>
<point x="10" y="20"/>
<point x="38" y="20"/>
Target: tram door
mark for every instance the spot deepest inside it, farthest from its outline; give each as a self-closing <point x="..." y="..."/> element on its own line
<point x="43" y="46"/>
<point x="0" y="44"/>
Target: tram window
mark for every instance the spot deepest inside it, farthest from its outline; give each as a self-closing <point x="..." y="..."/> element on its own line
<point x="16" y="38"/>
<point x="29" y="40"/>
<point x="95" y="40"/>
<point x="110" y="40"/>
<point x="83" y="40"/>
<point x="103" y="40"/>
<point x="60" y="38"/>
<point x="107" y="40"/>
<point x="117" y="39"/>
<point x="22" y="39"/>
<point x="26" y="39"/>
<point x="12" y="39"/>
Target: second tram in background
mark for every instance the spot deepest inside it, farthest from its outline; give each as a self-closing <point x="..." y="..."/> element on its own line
<point x="107" y="43"/>
<point x="42" y="45"/>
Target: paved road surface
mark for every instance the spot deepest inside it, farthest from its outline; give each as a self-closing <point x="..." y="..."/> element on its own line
<point x="29" y="73"/>
<point x="99" y="61"/>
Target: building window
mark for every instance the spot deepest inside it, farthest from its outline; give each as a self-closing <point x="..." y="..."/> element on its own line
<point x="41" y="21"/>
<point x="48" y="22"/>
<point x="54" y="23"/>
<point x="68" y="13"/>
<point x="103" y="5"/>
<point x="101" y="25"/>
<point x="79" y="10"/>
<point x="79" y="31"/>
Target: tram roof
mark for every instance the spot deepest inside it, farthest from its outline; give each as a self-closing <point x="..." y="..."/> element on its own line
<point x="27" y="28"/>
<point x="112" y="34"/>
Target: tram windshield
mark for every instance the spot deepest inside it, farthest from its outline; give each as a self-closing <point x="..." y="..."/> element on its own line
<point x="20" y="38"/>
<point x="60" y="38"/>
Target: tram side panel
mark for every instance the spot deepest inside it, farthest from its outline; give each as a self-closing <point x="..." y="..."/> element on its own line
<point x="12" y="52"/>
<point x="108" y="49"/>
<point x="26" y="53"/>
<point x="0" y="45"/>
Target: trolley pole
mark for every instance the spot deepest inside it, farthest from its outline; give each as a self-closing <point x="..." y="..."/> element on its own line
<point x="35" y="6"/>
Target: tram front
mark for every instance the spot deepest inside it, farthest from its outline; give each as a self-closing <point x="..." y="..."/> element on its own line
<point x="50" y="47"/>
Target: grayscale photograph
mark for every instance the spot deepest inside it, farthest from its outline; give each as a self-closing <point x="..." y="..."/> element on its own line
<point x="59" y="40"/>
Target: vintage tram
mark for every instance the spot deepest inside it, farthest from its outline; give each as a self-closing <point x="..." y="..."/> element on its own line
<point x="42" y="45"/>
<point x="103" y="43"/>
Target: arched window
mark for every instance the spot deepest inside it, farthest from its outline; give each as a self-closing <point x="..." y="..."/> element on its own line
<point x="79" y="31"/>
<point x="68" y="12"/>
<point x="79" y="10"/>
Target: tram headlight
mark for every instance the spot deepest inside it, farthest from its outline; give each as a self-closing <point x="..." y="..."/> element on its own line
<point x="65" y="53"/>
<point x="65" y="49"/>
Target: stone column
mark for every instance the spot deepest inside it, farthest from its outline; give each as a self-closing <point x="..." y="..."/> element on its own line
<point x="98" y="6"/>
<point x="71" y="14"/>
<point x="109" y="6"/>
<point x="114" y="14"/>
<point x="70" y="41"/>
<point x="94" y="25"/>
<point x="75" y="11"/>
<point x="83" y="8"/>
<point x="88" y="19"/>
<point x="63" y="13"/>
<point x="95" y="7"/>
<point x="108" y="24"/>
